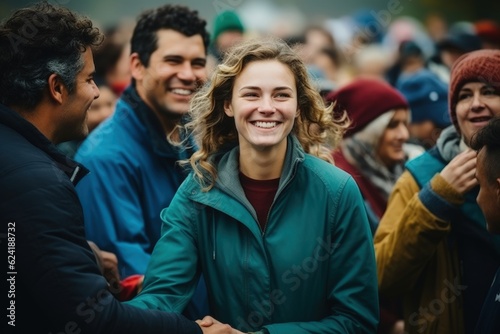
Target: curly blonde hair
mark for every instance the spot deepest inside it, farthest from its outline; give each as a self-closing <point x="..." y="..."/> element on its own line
<point x="215" y="132"/>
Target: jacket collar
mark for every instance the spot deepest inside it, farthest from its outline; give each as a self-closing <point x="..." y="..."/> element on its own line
<point x="16" y="122"/>
<point x="156" y="133"/>
<point x="228" y="169"/>
<point x="228" y="182"/>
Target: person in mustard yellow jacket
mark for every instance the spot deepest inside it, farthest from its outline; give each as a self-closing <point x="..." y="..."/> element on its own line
<point x="432" y="247"/>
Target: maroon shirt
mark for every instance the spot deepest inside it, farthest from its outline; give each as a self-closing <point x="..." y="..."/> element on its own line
<point x="260" y="193"/>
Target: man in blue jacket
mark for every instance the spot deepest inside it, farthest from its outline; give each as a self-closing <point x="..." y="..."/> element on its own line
<point x="47" y="87"/>
<point x="133" y="156"/>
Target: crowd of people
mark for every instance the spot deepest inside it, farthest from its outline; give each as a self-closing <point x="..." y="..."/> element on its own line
<point x="162" y="177"/>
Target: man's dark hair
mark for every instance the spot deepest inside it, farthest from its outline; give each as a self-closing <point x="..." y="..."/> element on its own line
<point x="36" y="42"/>
<point x="175" y="17"/>
<point x="488" y="138"/>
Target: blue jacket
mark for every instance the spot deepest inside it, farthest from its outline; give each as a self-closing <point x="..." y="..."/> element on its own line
<point x="133" y="175"/>
<point x="54" y="282"/>
<point x="311" y="271"/>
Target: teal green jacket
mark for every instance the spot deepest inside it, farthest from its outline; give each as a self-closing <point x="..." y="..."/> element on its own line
<point x="312" y="270"/>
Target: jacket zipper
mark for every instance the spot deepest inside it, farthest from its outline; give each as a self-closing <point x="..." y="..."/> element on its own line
<point x="276" y="196"/>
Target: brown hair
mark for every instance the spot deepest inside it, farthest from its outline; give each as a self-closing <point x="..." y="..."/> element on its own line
<point x="215" y="132"/>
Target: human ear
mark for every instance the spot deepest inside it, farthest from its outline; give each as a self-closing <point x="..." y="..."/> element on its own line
<point x="136" y="67"/>
<point x="56" y="87"/>
<point x="228" y="108"/>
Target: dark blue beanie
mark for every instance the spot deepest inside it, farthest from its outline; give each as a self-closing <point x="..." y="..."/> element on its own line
<point x="427" y="96"/>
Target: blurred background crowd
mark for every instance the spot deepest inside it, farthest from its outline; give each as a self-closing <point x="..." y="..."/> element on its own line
<point x="338" y="40"/>
<point x="383" y="59"/>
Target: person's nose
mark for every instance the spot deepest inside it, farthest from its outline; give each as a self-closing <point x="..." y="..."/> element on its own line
<point x="403" y="133"/>
<point x="477" y="102"/>
<point x="97" y="92"/>
<point x="267" y="106"/>
<point x="186" y="72"/>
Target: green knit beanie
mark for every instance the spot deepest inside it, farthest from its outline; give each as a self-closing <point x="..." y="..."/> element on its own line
<point x="226" y="21"/>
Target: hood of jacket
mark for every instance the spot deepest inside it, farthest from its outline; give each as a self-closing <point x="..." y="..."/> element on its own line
<point x="228" y="171"/>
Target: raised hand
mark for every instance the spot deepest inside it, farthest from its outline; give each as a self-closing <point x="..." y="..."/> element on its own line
<point x="460" y="172"/>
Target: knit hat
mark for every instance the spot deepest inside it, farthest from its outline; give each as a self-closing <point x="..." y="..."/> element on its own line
<point x="478" y="66"/>
<point x="364" y="100"/>
<point x="226" y="21"/>
<point x="427" y="96"/>
<point x="463" y="41"/>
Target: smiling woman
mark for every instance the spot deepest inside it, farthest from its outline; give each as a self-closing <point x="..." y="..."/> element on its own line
<point x="433" y="231"/>
<point x="264" y="107"/>
<point x="259" y="190"/>
<point x="375" y="147"/>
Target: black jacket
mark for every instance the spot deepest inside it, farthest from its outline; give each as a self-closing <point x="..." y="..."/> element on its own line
<point x="54" y="283"/>
<point x="489" y="319"/>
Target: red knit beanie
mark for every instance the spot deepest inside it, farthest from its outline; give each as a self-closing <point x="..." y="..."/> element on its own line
<point x="364" y="100"/>
<point x="477" y="66"/>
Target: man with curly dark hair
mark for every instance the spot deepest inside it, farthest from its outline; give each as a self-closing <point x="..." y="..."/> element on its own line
<point x="46" y="89"/>
<point x="133" y="155"/>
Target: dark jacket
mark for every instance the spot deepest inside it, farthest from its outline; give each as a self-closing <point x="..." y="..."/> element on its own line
<point x="489" y="319"/>
<point x="54" y="281"/>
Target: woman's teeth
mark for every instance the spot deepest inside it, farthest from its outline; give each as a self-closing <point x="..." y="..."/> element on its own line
<point x="266" y="125"/>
